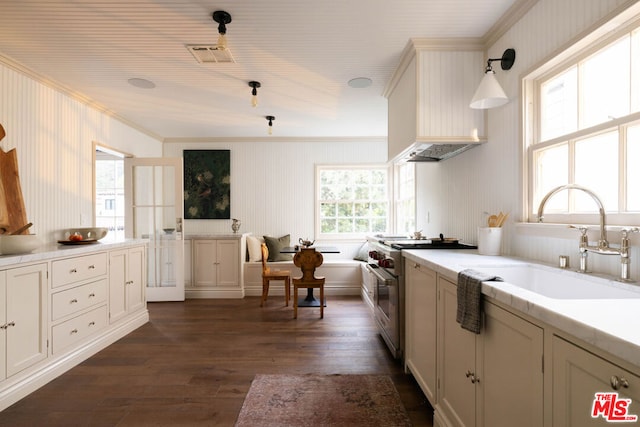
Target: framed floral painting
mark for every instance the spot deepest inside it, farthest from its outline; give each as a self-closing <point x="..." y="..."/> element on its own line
<point x="207" y="184"/>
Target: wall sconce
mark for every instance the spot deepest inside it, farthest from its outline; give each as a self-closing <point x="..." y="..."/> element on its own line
<point x="270" y="119"/>
<point x="222" y="18"/>
<point x="490" y="94"/>
<point x="254" y="93"/>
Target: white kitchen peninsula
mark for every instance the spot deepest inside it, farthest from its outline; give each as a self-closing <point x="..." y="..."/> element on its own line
<point x="62" y="304"/>
<point x="563" y="350"/>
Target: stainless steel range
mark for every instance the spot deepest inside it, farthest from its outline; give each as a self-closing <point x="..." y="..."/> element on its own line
<point x="386" y="266"/>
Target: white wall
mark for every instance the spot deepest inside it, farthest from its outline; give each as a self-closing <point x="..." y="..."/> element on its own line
<point x="489" y="178"/>
<point x="53" y="135"/>
<point x="272" y="182"/>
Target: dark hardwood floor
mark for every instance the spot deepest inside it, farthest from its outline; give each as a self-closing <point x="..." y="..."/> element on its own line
<point x="193" y="363"/>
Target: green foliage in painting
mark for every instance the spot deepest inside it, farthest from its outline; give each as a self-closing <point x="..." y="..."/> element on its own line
<point x="207" y="184"/>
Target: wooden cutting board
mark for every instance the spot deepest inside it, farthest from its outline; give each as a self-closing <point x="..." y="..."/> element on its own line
<point x="12" y="212"/>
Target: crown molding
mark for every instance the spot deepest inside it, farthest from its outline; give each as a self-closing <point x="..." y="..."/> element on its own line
<point x="507" y="21"/>
<point x="65" y="90"/>
<point x="258" y="139"/>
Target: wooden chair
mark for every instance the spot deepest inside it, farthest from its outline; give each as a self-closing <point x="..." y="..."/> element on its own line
<point x="268" y="275"/>
<point x="308" y="260"/>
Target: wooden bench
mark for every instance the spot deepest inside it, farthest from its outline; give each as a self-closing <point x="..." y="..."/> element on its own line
<point x="343" y="277"/>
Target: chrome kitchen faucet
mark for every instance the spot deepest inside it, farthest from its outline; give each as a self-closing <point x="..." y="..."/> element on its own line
<point x="602" y="247"/>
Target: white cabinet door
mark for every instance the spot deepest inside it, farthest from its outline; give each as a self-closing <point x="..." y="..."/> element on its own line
<point x="509" y="370"/>
<point x="136" y="284"/>
<point x="492" y="379"/>
<point x="420" y="356"/>
<point x="216" y="263"/>
<point x="457" y="358"/>
<point x="228" y="263"/>
<point x="204" y="263"/>
<point x="126" y="282"/>
<point x="26" y="314"/>
<point x="3" y="326"/>
<point x="577" y="376"/>
<point x="117" y="284"/>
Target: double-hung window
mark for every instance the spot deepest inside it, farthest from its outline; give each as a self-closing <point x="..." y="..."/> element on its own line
<point x="583" y="127"/>
<point x="352" y="201"/>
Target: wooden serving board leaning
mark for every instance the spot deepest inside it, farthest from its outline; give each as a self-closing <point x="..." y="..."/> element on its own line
<point x="12" y="211"/>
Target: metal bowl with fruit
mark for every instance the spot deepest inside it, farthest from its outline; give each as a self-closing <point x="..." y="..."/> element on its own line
<point x="78" y="236"/>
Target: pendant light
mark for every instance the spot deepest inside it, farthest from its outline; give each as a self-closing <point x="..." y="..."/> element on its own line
<point x="489" y="93"/>
<point x="254" y="93"/>
<point x="222" y="18"/>
<point x="270" y="119"/>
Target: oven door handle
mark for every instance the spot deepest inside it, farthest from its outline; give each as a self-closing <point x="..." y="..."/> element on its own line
<point x="389" y="280"/>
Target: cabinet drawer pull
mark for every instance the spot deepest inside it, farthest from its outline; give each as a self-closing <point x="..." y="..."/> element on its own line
<point x="92" y="323"/>
<point x="73" y="331"/>
<point x="73" y="301"/>
<point x="617" y="383"/>
<point x="91" y="295"/>
<point x="73" y="270"/>
<point x="11" y="324"/>
<point x="92" y="267"/>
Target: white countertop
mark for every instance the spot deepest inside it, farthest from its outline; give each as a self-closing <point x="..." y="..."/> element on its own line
<point x="612" y="325"/>
<point x="55" y="250"/>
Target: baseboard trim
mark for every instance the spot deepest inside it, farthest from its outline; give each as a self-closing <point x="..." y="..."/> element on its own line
<point x="26" y="382"/>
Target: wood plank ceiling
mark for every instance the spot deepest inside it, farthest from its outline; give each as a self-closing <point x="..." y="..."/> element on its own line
<point x="302" y="51"/>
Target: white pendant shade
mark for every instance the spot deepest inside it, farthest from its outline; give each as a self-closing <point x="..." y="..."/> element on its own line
<point x="489" y="94"/>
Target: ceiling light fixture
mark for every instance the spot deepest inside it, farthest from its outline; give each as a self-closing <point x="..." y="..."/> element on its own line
<point x="254" y="92"/>
<point x="490" y="94"/>
<point x="271" y="119"/>
<point x="222" y="18"/>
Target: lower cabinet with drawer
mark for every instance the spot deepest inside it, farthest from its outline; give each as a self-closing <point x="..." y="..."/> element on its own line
<point x="74" y="330"/>
<point x="71" y="321"/>
<point x="54" y="311"/>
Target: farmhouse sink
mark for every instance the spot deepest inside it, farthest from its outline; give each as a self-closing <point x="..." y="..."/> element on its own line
<point x="558" y="284"/>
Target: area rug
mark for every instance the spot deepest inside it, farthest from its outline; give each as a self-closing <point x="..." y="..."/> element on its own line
<point x="322" y="400"/>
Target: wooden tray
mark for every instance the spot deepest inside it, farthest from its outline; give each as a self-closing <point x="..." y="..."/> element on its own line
<point x="77" y="242"/>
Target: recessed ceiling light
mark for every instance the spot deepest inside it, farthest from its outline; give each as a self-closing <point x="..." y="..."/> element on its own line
<point x="360" y="82"/>
<point x="142" y="83"/>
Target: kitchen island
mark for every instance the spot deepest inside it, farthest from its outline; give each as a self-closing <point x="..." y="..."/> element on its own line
<point x="555" y="354"/>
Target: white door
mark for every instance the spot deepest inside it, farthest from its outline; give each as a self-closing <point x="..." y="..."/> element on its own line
<point x="155" y="211"/>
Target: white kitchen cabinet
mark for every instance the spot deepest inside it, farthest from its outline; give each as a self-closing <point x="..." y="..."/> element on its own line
<point x="420" y="341"/>
<point x="368" y="286"/>
<point x="578" y="375"/>
<point x="491" y="379"/>
<point x="126" y="282"/>
<point x="217" y="267"/>
<point x="429" y="95"/>
<point x="23" y="318"/>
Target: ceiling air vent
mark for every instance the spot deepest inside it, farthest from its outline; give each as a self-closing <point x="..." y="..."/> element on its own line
<point x="207" y="54"/>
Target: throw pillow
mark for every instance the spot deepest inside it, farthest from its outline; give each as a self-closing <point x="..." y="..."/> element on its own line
<point x="363" y="253"/>
<point x="253" y="247"/>
<point x="275" y="245"/>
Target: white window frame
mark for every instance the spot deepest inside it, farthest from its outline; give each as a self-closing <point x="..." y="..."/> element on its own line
<point x="350" y="236"/>
<point x="409" y="198"/>
<point x="531" y="87"/>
